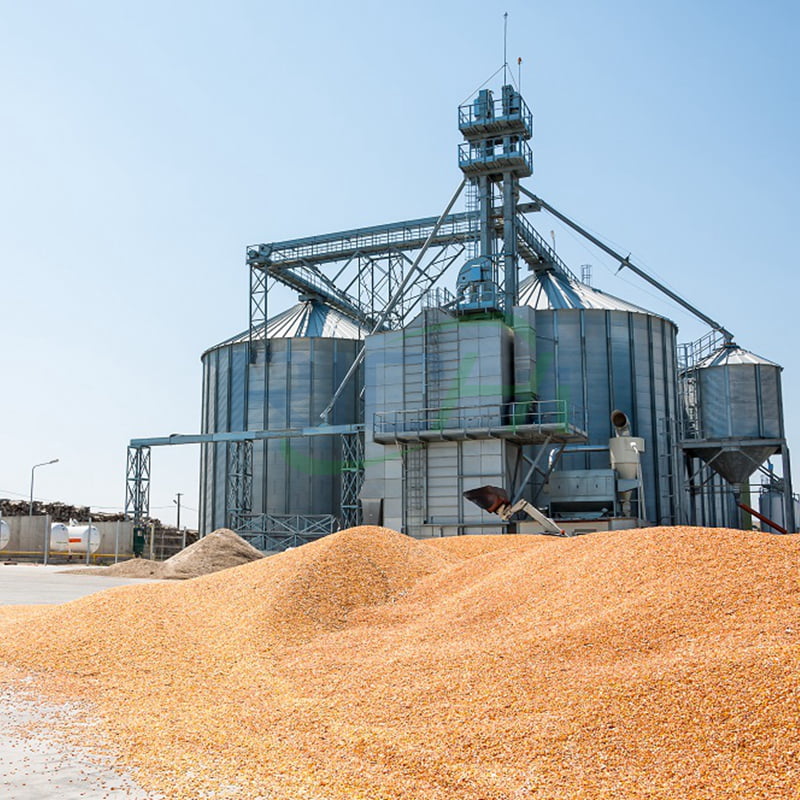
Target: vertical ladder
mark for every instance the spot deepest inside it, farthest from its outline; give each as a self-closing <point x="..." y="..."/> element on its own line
<point x="415" y="496"/>
<point x="431" y="359"/>
<point x="670" y="468"/>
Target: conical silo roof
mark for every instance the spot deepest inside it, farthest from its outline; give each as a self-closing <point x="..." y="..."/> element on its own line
<point x="313" y="318"/>
<point x="546" y="291"/>
<point x="730" y="355"/>
<point x="308" y="318"/>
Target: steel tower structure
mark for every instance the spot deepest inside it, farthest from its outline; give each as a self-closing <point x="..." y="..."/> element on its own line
<point x="382" y="276"/>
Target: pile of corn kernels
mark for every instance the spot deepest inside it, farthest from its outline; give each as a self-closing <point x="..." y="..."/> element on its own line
<point x="652" y="663"/>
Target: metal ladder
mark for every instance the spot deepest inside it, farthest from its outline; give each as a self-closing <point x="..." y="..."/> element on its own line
<point x="415" y="474"/>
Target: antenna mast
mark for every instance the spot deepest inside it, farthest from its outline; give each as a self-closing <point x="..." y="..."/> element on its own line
<point x="505" y="48"/>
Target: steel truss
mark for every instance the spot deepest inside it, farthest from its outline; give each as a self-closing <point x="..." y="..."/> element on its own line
<point x="286" y="530"/>
<point x="366" y="267"/>
<point x="352" y="478"/>
<point x="269" y="532"/>
<point x="137" y="484"/>
<point x="240" y="479"/>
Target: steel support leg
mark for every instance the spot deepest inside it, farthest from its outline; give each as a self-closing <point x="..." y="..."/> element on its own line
<point x="137" y="485"/>
<point x="352" y="478"/>
<point x="789" y="521"/>
<point x="240" y="482"/>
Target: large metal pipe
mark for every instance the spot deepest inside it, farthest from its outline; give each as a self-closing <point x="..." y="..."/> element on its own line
<point x="764" y="519"/>
<point x="393" y="300"/>
<point x="624" y="261"/>
<point x="621" y="423"/>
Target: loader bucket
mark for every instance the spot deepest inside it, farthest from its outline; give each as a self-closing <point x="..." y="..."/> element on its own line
<point x="489" y="498"/>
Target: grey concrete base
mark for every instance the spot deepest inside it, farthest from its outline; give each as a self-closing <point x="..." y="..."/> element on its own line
<point x="36" y="761"/>
<point x="41" y="765"/>
<point x="33" y="584"/>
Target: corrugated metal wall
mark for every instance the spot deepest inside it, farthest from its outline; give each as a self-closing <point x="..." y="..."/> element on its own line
<point x="437" y="362"/>
<point x="287" y="385"/>
<point x="601" y="360"/>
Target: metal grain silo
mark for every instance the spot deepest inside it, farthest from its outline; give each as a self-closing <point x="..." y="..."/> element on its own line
<point x="284" y="382"/>
<point x="738" y="413"/>
<point x="601" y="353"/>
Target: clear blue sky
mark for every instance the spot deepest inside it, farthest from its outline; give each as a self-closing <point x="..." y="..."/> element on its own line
<point x="145" y="144"/>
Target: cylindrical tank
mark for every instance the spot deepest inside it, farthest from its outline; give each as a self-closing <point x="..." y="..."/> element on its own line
<point x="739" y="402"/>
<point x="5" y="534"/>
<point x="602" y="354"/>
<point x="286" y="382"/>
<point x="73" y="538"/>
<point x="770" y="504"/>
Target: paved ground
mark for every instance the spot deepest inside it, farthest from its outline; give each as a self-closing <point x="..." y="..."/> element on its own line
<point x="42" y="766"/>
<point x="31" y="584"/>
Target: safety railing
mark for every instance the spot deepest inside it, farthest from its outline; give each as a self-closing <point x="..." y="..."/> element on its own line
<point x="481" y="113"/>
<point x="535" y="241"/>
<point x="407" y="235"/>
<point x="691" y="353"/>
<point x="546" y="414"/>
<point x="505" y="153"/>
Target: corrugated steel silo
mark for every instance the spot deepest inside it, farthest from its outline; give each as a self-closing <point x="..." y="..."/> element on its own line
<point x="739" y="411"/>
<point x="601" y="353"/>
<point x="286" y="382"/>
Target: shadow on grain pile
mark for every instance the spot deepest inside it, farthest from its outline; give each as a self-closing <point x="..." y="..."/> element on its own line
<point x="657" y="663"/>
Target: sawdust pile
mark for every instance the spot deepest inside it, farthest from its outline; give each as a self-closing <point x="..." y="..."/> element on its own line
<point x="219" y="550"/>
<point x="654" y="663"/>
<point x="132" y="568"/>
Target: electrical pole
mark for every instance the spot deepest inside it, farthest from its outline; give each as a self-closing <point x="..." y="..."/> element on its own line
<point x="178" y="503"/>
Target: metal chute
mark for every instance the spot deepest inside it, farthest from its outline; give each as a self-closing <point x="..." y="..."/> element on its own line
<point x="495" y="500"/>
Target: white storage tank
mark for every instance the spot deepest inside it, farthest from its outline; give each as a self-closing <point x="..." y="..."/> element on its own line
<point x="5" y="534"/>
<point x="73" y="538"/>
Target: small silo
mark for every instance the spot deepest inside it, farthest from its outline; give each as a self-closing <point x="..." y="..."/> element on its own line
<point x="284" y="382"/>
<point x="738" y="414"/>
<point x="602" y="354"/>
<point x="772" y="505"/>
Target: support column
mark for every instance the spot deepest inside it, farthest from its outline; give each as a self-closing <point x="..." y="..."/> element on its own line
<point x="790" y="523"/>
<point x="352" y="478"/>
<point x="258" y="305"/>
<point x="137" y="485"/>
<point x="510" y="277"/>
<point x="240" y="482"/>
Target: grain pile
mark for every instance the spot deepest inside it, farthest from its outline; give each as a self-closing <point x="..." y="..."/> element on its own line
<point x="654" y="663"/>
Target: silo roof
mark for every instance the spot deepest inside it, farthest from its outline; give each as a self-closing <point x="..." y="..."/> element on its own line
<point x="308" y="318"/>
<point x="729" y="355"/>
<point x="312" y="318"/>
<point x="551" y="290"/>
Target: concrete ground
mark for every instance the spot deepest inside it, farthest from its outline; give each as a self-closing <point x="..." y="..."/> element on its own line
<point x="36" y="763"/>
<point x="32" y="584"/>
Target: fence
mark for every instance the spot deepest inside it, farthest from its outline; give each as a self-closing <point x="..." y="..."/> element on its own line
<point x="29" y="540"/>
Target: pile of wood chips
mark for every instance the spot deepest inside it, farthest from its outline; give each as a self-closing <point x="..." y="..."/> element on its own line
<point x="654" y="663"/>
<point x="221" y="549"/>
